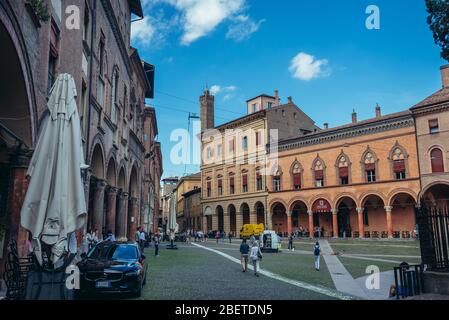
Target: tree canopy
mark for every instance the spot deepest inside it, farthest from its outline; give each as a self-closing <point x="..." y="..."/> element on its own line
<point x="438" y="21"/>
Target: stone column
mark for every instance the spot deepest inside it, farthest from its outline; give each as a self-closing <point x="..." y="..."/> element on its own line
<point x="360" y="222"/>
<point x="133" y="218"/>
<point x="389" y="217"/>
<point x="100" y="186"/>
<point x="112" y="208"/>
<point x="335" y="222"/>
<point x="18" y="186"/>
<point x="226" y="222"/>
<point x="121" y="226"/>
<point x="215" y="222"/>
<point x="310" y="213"/>
<point x="239" y="223"/>
<point x="289" y="222"/>
<point x="269" y="222"/>
<point x="253" y="218"/>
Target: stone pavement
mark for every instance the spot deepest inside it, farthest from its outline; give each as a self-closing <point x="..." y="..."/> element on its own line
<point x="385" y="281"/>
<point x="342" y="279"/>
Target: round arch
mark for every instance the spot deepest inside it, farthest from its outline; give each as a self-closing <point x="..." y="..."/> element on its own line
<point x="232" y="212"/>
<point x="259" y="208"/>
<point x="111" y="173"/>
<point x="17" y="91"/>
<point x="244" y="211"/>
<point x="219" y="212"/>
<point x="97" y="161"/>
<point x="279" y="218"/>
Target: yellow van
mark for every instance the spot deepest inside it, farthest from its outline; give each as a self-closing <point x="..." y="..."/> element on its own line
<point x="249" y="230"/>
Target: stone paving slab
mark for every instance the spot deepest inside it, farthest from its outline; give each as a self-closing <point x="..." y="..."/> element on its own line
<point x="343" y="280"/>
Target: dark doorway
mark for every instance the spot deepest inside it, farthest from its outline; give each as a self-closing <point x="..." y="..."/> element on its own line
<point x="344" y="224"/>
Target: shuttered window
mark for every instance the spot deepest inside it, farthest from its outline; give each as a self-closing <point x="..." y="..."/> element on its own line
<point x="436" y="158"/>
<point x="297" y="181"/>
<point x="343" y="172"/>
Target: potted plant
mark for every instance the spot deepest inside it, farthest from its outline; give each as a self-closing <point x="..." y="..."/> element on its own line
<point x="38" y="10"/>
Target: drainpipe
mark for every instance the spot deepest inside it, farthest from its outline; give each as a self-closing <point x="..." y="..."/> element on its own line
<point x="94" y="27"/>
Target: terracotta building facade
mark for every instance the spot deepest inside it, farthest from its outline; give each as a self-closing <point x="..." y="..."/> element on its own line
<point x="357" y="180"/>
<point x="432" y="131"/>
<point x="112" y="84"/>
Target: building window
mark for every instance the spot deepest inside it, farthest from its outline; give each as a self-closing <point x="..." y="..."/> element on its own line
<point x="296" y="174"/>
<point x="259" y="185"/>
<point x="86" y="22"/>
<point x="245" y="143"/>
<point x="319" y="173"/>
<point x="269" y="105"/>
<point x="343" y="170"/>
<point x="220" y="186"/>
<point x="283" y="113"/>
<point x="208" y="152"/>
<point x="398" y="164"/>
<point x="231" y="185"/>
<point x="245" y="182"/>
<point x="51" y="72"/>
<point x="433" y="126"/>
<point x="84" y="106"/>
<point x="436" y="159"/>
<point x="219" y="151"/>
<point x="209" y="189"/>
<point x="277" y="183"/>
<point x="114" y="95"/>
<point x="370" y="167"/>
<point x="53" y="57"/>
<point x="101" y="52"/>
<point x="231" y="145"/>
<point x="254" y="107"/>
<point x="258" y="138"/>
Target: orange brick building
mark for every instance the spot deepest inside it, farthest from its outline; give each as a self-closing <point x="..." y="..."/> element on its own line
<point x="359" y="180"/>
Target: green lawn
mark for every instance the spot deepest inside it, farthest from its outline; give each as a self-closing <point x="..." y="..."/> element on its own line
<point x="288" y="264"/>
<point x="192" y="273"/>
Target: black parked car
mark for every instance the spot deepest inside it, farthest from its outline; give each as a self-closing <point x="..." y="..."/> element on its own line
<point x="113" y="267"/>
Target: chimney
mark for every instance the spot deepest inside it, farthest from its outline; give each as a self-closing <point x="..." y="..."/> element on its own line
<point x="378" y="112"/>
<point x="326" y="126"/>
<point x="290" y="100"/>
<point x="207" y="111"/>
<point x="354" y="116"/>
<point x="445" y="75"/>
<point x="276" y="98"/>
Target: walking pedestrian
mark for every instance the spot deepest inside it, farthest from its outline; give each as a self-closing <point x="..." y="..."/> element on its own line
<point x="244" y="250"/>
<point x="290" y="242"/>
<point x="317" y="254"/>
<point x="230" y="236"/>
<point x="142" y="239"/>
<point x="217" y="236"/>
<point x="256" y="256"/>
<point x="156" y="240"/>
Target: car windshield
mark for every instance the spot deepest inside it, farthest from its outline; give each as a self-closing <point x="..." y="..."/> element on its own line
<point x="114" y="252"/>
<point x="123" y="252"/>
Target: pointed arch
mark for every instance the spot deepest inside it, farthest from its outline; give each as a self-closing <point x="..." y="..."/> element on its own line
<point x="343" y="169"/>
<point x="398" y="158"/>
<point x="369" y="163"/>
<point x="296" y="175"/>
<point x="318" y="171"/>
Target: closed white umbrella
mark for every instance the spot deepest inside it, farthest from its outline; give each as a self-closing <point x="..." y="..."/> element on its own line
<point x="55" y="205"/>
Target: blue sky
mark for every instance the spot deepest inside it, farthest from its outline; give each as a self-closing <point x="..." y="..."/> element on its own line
<point x="319" y="52"/>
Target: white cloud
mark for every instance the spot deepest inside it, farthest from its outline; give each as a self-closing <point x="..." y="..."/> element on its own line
<point x="228" y="91"/>
<point x="306" y="67"/>
<point x="243" y="28"/>
<point x="194" y="19"/>
<point x="201" y="17"/>
<point x="215" y="89"/>
<point x="142" y="31"/>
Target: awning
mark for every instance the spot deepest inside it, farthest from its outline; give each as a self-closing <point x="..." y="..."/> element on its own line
<point x="321" y="206"/>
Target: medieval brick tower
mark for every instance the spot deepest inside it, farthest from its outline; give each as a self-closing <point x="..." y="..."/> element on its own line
<point x="207" y="111"/>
